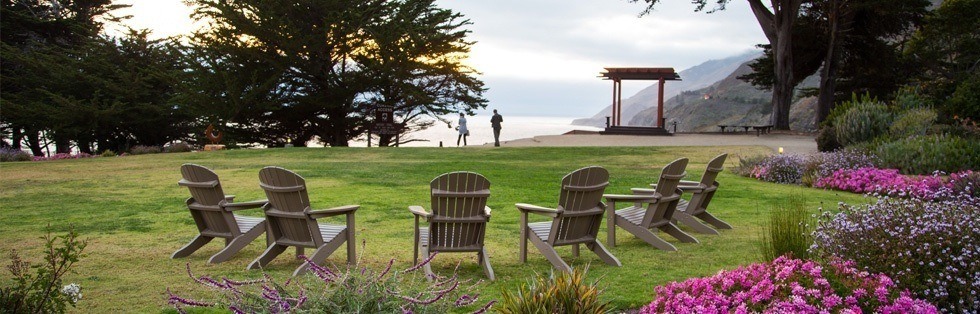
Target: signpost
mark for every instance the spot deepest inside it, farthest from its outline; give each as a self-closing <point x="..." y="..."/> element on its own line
<point x="384" y="123"/>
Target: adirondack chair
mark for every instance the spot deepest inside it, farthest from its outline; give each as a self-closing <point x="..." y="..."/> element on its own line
<point x="575" y="221"/>
<point x="658" y="212"/>
<point x="213" y="213"/>
<point x="458" y="220"/>
<point x="292" y="222"/>
<point x="701" y="194"/>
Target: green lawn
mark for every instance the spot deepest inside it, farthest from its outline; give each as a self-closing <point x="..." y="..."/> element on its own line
<point x="132" y="213"/>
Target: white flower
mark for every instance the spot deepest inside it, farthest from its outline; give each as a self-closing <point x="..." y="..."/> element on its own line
<point x="73" y="291"/>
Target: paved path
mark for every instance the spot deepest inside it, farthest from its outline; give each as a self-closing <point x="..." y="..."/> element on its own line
<point x="791" y="143"/>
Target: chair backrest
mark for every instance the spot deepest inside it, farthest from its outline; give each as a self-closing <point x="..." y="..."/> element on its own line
<point x="459" y="220"/>
<point x="670" y="177"/>
<point x="581" y="205"/>
<point x="287" y="209"/>
<point x="699" y="201"/>
<point x="206" y="200"/>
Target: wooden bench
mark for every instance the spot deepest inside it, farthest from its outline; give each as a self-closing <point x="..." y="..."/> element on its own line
<point x="762" y="129"/>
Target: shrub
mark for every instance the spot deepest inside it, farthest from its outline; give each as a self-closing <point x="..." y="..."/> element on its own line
<point x="746" y="164"/>
<point x="827" y="139"/>
<point x="61" y="156"/>
<point x="928" y="247"/>
<point x="863" y="121"/>
<point x="913" y="122"/>
<point x="12" y="154"/>
<point x="780" y="169"/>
<point x="179" y="147"/>
<point x="143" y="150"/>
<point x="325" y="290"/>
<point x="824" y="164"/>
<point x="925" y="154"/>
<point x="788" y="231"/>
<point x="108" y="153"/>
<point x="41" y="291"/>
<point x="787" y="285"/>
<point x="563" y="293"/>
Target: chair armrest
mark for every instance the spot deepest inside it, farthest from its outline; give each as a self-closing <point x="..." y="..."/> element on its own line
<point x="642" y="191"/>
<point x="691" y="188"/>
<point x="245" y="205"/>
<point x="631" y="198"/>
<point x="230" y="198"/>
<point x="321" y="213"/>
<point x="528" y="208"/>
<point x="419" y="211"/>
<point x="487" y="210"/>
<point x="686" y="182"/>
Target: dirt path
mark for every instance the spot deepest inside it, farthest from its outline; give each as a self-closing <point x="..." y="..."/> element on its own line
<point x="791" y="143"/>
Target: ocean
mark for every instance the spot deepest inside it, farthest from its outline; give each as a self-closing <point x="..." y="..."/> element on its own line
<point x="513" y="127"/>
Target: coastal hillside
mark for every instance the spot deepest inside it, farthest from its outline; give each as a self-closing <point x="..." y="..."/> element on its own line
<point x="729" y="101"/>
<point x="693" y="78"/>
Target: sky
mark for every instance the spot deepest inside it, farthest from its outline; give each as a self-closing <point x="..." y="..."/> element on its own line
<point x="542" y="57"/>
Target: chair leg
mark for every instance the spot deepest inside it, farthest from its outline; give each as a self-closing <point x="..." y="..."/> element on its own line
<point x="199" y="241"/>
<point x="646" y="235"/>
<point x="318" y="256"/>
<point x="603" y="253"/>
<point x="697" y="226"/>
<point x="429" y="275"/>
<point x="675" y="232"/>
<point x="237" y="244"/>
<point x="299" y="251"/>
<point x="710" y="219"/>
<point x="485" y="262"/>
<point x="523" y="249"/>
<point x="575" y="250"/>
<point x="549" y="252"/>
<point x="270" y="254"/>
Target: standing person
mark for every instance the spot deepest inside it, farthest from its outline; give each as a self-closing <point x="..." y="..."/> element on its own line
<point x="495" y="123"/>
<point x="463" y="131"/>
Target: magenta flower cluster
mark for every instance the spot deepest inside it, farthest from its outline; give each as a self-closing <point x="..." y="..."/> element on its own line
<point x="863" y="180"/>
<point x="889" y="182"/>
<point x="787" y="285"/>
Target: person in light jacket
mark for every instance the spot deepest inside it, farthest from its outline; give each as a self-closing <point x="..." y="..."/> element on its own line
<point x="463" y="131"/>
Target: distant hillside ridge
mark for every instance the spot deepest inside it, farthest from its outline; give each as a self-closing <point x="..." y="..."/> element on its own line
<point x="729" y="101"/>
<point x="693" y="78"/>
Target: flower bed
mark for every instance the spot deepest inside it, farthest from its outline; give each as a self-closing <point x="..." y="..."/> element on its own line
<point x="787" y="285"/>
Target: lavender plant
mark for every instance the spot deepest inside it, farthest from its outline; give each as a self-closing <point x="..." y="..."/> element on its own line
<point x="928" y="247"/>
<point x="12" y="154"/>
<point x="326" y="290"/>
<point x="780" y="169"/>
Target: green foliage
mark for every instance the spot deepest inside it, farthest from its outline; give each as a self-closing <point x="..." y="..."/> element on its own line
<point x="143" y="150"/>
<point x="827" y="139"/>
<point x="788" y="231"/>
<point x="746" y="164"/>
<point x="561" y="293"/>
<point x="913" y="122"/>
<point x="37" y="288"/>
<point x="925" y="154"/>
<point x="965" y="101"/>
<point x="864" y="120"/>
<point x="108" y="153"/>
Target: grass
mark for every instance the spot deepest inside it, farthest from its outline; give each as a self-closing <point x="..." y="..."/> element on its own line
<point x="132" y="213"/>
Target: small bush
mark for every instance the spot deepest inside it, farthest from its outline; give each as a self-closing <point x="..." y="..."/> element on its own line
<point x="824" y="164"/>
<point x="746" y="164"/>
<point x="143" y="150"/>
<point x="62" y="156"/>
<point x="928" y="247"/>
<point x="564" y="293"/>
<point x="787" y="285"/>
<point x="780" y="169"/>
<point x="180" y="147"/>
<point x="37" y="288"/>
<point x="788" y="231"/>
<point x="913" y="122"/>
<point x="925" y="154"/>
<point x="324" y="290"/>
<point x="827" y="139"/>
<point x="108" y="153"/>
<point x="863" y="121"/>
<point x="11" y="154"/>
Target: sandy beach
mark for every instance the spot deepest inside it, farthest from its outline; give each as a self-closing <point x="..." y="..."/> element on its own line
<point x="791" y="143"/>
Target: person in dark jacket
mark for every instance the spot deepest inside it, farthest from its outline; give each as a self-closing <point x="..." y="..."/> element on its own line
<point x="495" y="122"/>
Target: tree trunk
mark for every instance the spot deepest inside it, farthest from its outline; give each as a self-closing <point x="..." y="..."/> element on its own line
<point x="828" y="75"/>
<point x="782" y="89"/>
<point x="16" y="137"/>
<point x="34" y="142"/>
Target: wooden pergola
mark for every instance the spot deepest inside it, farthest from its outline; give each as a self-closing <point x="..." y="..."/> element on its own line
<point x="618" y="75"/>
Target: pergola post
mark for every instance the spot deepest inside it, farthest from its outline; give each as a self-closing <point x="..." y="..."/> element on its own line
<point x="660" y="104"/>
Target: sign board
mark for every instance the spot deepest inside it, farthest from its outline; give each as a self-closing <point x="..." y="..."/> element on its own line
<point x="384" y="122"/>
